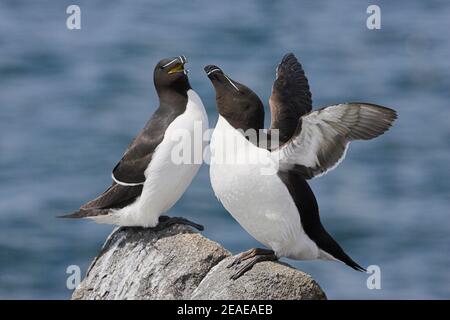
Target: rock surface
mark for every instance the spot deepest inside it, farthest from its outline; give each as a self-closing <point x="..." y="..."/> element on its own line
<point x="179" y="263"/>
<point x="266" y="280"/>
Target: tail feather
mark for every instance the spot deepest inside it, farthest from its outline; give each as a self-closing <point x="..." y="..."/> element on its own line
<point x="339" y="254"/>
<point x="352" y="264"/>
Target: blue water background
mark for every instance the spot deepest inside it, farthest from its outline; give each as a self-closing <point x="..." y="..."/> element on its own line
<point x="71" y="101"/>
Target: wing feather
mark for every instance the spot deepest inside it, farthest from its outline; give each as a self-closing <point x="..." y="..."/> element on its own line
<point x="130" y="171"/>
<point x="290" y="98"/>
<point x="321" y="139"/>
<point x="116" y="196"/>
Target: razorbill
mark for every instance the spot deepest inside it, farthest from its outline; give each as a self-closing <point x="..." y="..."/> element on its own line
<point x="146" y="181"/>
<point x="279" y="209"/>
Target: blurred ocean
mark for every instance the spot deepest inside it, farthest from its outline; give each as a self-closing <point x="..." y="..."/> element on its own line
<point x="71" y="101"/>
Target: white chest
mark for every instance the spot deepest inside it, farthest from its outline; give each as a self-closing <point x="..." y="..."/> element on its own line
<point x="260" y="202"/>
<point x="172" y="167"/>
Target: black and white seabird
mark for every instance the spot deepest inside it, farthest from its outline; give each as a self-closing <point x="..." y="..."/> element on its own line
<point x="146" y="181"/>
<point x="280" y="209"/>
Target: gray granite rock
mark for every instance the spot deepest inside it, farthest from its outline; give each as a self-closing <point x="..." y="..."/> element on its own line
<point x="179" y="263"/>
<point x="137" y="263"/>
<point x="266" y="280"/>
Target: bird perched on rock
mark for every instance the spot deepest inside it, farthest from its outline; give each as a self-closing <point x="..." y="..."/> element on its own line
<point x="147" y="181"/>
<point x="279" y="209"/>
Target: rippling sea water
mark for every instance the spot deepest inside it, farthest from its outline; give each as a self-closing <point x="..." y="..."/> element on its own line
<point x="71" y="101"/>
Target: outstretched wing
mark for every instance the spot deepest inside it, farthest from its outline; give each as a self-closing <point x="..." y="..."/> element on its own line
<point x="290" y="97"/>
<point x="322" y="137"/>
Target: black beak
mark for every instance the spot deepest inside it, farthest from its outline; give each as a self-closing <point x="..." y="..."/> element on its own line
<point x="176" y="65"/>
<point x="182" y="59"/>
<point x="213" y="71"/>
<point x="218" y="78"/>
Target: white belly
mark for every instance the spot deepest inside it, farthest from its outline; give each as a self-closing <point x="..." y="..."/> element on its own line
<point x="167" y="177"/>
<point x="261" y="203"/>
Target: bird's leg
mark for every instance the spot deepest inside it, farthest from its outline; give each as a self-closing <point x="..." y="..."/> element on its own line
<point x="254" y="256"/>
<point x="249" y="254"/>
<point x="165" y="221"/>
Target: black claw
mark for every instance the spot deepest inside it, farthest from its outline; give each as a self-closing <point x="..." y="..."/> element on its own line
<point x="190" y="223"/>
<point x="235" y="261"/>
<point x="250" y="254"/>
<point x="199" y="227"/>
<point x="242" y="270"/>
<point x="252" y="261"/>
<point x="165" y="221"/>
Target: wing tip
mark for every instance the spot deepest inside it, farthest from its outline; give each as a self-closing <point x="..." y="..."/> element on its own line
<point x="289" y="59"/>
<point x="388" y="116"/>
<point x="288" y="55"/>
<point x="74" y="215"/>
<point x="85" y="213"/>
<point x="351" y="263"/>
<point x="357" y="267"/>
<point x="386" y="110"/>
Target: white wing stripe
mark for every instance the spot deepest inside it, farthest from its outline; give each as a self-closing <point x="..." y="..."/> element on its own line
<point x="125" y="183"/>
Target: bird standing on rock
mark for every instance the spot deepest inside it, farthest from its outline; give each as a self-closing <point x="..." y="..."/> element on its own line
<point x="280" y="209"/>
<point x="147" y="181"/>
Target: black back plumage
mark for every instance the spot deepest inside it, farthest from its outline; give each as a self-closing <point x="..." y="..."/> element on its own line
<point x="136" y="159"/>
<point x="115" y="197"/>
<point x="306" y="203"/>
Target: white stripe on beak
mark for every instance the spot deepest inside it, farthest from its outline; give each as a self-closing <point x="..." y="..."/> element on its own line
<point x="168" y="64"/>
<point x="212" y="71"/>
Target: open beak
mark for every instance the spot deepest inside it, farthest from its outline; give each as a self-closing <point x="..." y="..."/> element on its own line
<point x="178" y="65"/>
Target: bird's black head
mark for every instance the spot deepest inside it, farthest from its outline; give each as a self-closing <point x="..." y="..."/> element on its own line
<point x="239" y="105"/>
<point x="169" y="75"/>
